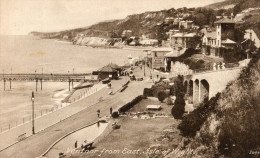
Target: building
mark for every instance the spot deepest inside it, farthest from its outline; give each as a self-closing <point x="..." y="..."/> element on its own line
<point x="170" y="57"/>
<point x="215" y="43"/>
<point x="186" y="24"/>
<point x="108" y="71"/>
<point x="158" y="57"/>
<point x="251" y="35"/>
<point x="127" y="33"/>
<point x="225" y="30"/>
<point x="169" y="20"/>
<point x="183" y="40"/>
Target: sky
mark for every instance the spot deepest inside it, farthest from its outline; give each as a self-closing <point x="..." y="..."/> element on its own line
<point x="19" y="17"/>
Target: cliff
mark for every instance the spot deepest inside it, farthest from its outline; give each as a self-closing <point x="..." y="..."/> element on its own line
<point x="229" y="123"/>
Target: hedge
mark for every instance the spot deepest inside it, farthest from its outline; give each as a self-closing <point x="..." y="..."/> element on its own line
<point x="129" y="105"/>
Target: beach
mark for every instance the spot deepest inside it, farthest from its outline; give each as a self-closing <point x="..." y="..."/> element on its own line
<point x="28" y="54"/>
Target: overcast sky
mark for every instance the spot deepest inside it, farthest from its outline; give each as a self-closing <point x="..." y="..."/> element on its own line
<point x="23" y="16"/>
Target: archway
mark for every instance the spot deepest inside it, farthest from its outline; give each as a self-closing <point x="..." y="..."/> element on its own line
<point x="204" y="90"/>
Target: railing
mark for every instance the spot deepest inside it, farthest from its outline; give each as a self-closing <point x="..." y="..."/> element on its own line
<point x="217" y="67"/>
<point x="44" y="77"/>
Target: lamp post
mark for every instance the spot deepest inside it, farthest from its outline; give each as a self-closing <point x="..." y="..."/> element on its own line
<point x="33" y="113"/>
<point x="69" y="79"/>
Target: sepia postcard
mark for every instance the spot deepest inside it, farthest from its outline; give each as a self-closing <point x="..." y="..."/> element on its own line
<point x="129" y="78"/>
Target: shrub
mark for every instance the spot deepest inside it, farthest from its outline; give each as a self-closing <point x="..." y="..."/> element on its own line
<point x="115" y="114"/>
<point x="179" y="107"/>
<point x="129" y="105"/>
<point x="192" y="122"/>
<point x="161" y="96"/>
<point x="148" y="92"/>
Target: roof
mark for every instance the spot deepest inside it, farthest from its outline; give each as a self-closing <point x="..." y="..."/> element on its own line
<point x="107" y="69"/>
<point x="184" y="35"/>
<point x="172" y="54"/>
<point x="212" y="35"/>
<point x="162" y="49"/>
<point x="178" y="35"/>
<point x="114" y="66"/>
<point x="225" y="21"/>
<point x="190" y="35"/>
<point x="228" y="41"/>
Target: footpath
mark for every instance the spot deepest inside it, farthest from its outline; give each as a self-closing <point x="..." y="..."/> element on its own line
<point x="76" y="115"/>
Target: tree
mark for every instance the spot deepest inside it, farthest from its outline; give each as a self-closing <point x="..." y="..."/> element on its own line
<point x="179" y="107"/>
<point x="161" y="96"/>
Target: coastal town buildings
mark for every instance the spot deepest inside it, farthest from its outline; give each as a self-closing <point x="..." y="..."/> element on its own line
<point x="127" y="33"/>
<point x="158" y="57"/>
<point x="186" y="24"/>
<point x="147" y="41"/>
<point x="215" y="43"/>
<point x="183" y="40"/>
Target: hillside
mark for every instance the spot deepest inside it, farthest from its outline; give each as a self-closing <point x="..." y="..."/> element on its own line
<point x="224" y="4"/>
<point x="139" y="24"/>
<point x="229" y="123"/>
<point x="154" y="25"/>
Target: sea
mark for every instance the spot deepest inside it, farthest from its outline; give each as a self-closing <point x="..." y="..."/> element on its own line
<point x="30" y="54"/>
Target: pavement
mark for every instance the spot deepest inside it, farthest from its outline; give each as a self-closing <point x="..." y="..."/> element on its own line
<point x="68" y="119"/>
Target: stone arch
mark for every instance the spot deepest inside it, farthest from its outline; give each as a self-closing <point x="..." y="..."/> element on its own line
<point x="204" y="90"/>
<point x="196" y="92"/>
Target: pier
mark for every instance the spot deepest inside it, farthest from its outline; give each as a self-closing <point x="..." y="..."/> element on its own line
<point x="47" y="77"/>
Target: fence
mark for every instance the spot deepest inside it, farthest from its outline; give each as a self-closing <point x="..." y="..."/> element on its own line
<point x="37" y="114"/>
<point x="217" y="67"/>
<point x="77" y="95"/>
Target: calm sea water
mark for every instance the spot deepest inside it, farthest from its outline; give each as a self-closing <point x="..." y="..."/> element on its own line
<point x="25" y="54"/>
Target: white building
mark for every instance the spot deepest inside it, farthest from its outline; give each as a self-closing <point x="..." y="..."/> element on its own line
<point x="251" y="35"/>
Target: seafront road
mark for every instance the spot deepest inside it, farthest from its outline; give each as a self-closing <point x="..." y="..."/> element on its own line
<point x="84" y="113"/>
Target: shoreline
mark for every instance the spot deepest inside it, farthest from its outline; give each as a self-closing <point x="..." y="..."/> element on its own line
<point x="125" y="47"/>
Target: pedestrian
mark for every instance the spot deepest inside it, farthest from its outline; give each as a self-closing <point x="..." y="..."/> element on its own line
<point x="76" y="144"/>
<point x="157" y="75"/>
<point x="111" y="110"/>
<point x="98" y="113"/>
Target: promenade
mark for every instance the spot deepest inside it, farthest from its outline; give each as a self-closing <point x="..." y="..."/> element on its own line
<point x="84" y="113"/>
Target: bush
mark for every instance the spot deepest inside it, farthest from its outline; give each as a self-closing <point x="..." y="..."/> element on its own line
<point x="161" y="96"/>
<point x="148" y="92"/>
<point x="115" y="114"/>
<point x="192" y="122"/>
<point x="179" y="107"/>
<point x="129" y="105"/>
